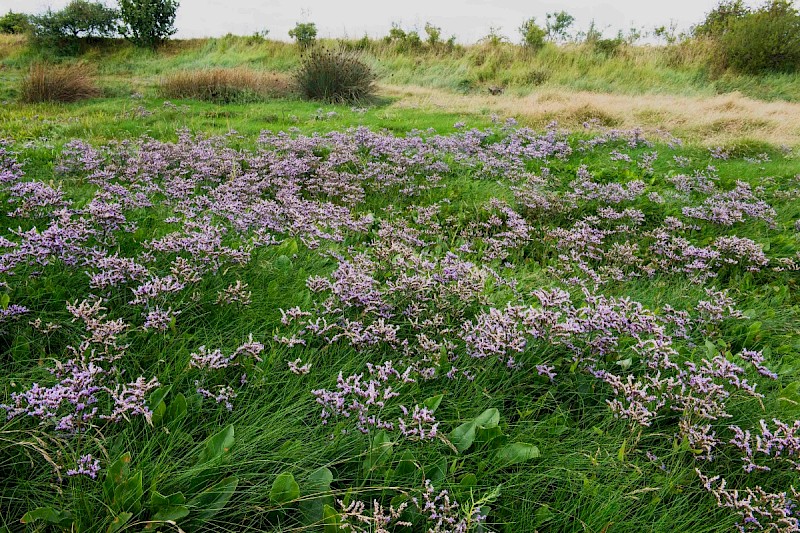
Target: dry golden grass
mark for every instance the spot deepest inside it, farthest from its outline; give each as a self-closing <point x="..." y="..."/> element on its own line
<point x="711" y="121"/>
<point x="58" y="83"/>
<point x="226" y="85"/>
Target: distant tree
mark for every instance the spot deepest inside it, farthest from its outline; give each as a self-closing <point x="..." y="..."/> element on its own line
<point x="667" y="33"/>
<point x="80" y="19"/>
<point x="557" y="25"/>
<point x="719" y="20"/>
<point x="14" y="23"/>
<point x="764" y="40"/>
<point x="533" y="35"/>
<point x="434" y="34"/>
<point x="593" y="34"/>
<point x="494" y="37"/>
<point x="305" y="33"/>
<point x="148" y="23"/>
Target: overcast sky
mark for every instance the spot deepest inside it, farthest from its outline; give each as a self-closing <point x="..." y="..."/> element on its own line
<point x="469" y="20"/>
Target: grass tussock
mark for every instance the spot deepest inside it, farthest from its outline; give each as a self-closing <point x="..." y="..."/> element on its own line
<point x="226" y="85"/>
<point x="59" y="83"/>
<point x="335" y="76"/>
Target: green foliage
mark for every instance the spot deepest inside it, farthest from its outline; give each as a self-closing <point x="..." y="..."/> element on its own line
<point x="284" y="489"/>
<point x="305" y="33"/>
<point x="494" y="38"/>
<point x="533" y="35"/>
<point x="558" y="24"/>
<point x="212" y="500"/>
<point x="463" y="436"/>
<point x="14" y="23"/>
<point x="410" y="41"/>
<point x="608" y="47"/>
<point x="80" y="19"/>
<point x="765" y="40"/>
<point x="721" y="18"/>
<point x="335" y="76"/>
<point x="217" y="447"/>
<point x="62" y="519"/>
<point x="148" y="23"/>
<point x="434" y="34"/>
<point x="318" y="489"/>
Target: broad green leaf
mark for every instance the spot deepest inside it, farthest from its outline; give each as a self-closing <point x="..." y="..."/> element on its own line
<point x="168" y="507"/>
<point x="157" y="397"/>
<point x="407" y="464"/>
<point x="469" y="480"/>
<point x="5" y="299"/>
<point x="463" y="436"/>
<point x="171" y="513"/>
<point x="433" y="402"/>
<point x="284" y="489"/>
<point x="212" y="500"/>
<point x="49" y="515"/>
<point x="116" y="473"/>
<point x="158" y="414"/>
<point x="119" y="522"/>
<point x="438" y="470"/>
<point x="379" y="453"/>
<point x="331" y="520"/>
<point x="177" y="408"/>
<point x="516" y="452"/>
<point x="318" y="483"/>
<point x="217" y="446"/>
<point x="488" y="419"/>
<point x="128" y="495"/>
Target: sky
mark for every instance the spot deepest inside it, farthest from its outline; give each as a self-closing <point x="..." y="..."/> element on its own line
<point x="468" y="20"/>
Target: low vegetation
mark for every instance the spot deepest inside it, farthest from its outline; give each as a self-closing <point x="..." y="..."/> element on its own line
<point x="335" y="76"/>
<point x="59" y="83"/>
<point x="243" y="293"/>
<point x="225" y="86"/>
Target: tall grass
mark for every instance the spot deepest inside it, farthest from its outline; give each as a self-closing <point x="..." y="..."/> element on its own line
<point x="225" y="85"/>
<point x="688" y="68"/>
<point x="58" y="83"/>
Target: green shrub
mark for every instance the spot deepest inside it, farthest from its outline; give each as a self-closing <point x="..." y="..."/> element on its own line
<point x="719" y="19"/>
<point x="148" y="23"/>
<point x="58" y="83"/>
<point x="305" y="33"/>
<point x="532" y="34"/>
<point x="14" y="23"/>
<point x="558" y="24"/>
<point x="434" y="34"/>
<point x="608" y="47"/>
<point x="80" y="19"/>
<point x="335" y="76"/>
<point x="765" y="40"/>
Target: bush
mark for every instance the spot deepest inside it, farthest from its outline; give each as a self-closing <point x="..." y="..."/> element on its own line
<point x="148" y="23"/>
<point x="335" y="76"/>
<point x="14" y="23"/>
<point x="719" y="19"/>
<point x="532" y="35"/>
<point x="225" y="85"/>
<point x="81" y="19"/>
<point x="608" y="47"/>
<point x="305" y="33"/>
<point x="58" y="83"/>
<point x="765" y="40"/>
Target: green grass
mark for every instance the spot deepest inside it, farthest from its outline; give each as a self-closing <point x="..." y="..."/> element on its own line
<point x="679" y="69"/>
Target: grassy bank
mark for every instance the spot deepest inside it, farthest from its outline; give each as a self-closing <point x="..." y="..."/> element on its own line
<point x="681" y="69"/>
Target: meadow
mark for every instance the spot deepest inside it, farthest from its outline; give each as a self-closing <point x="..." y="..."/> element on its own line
<point x="439" y="311"/>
